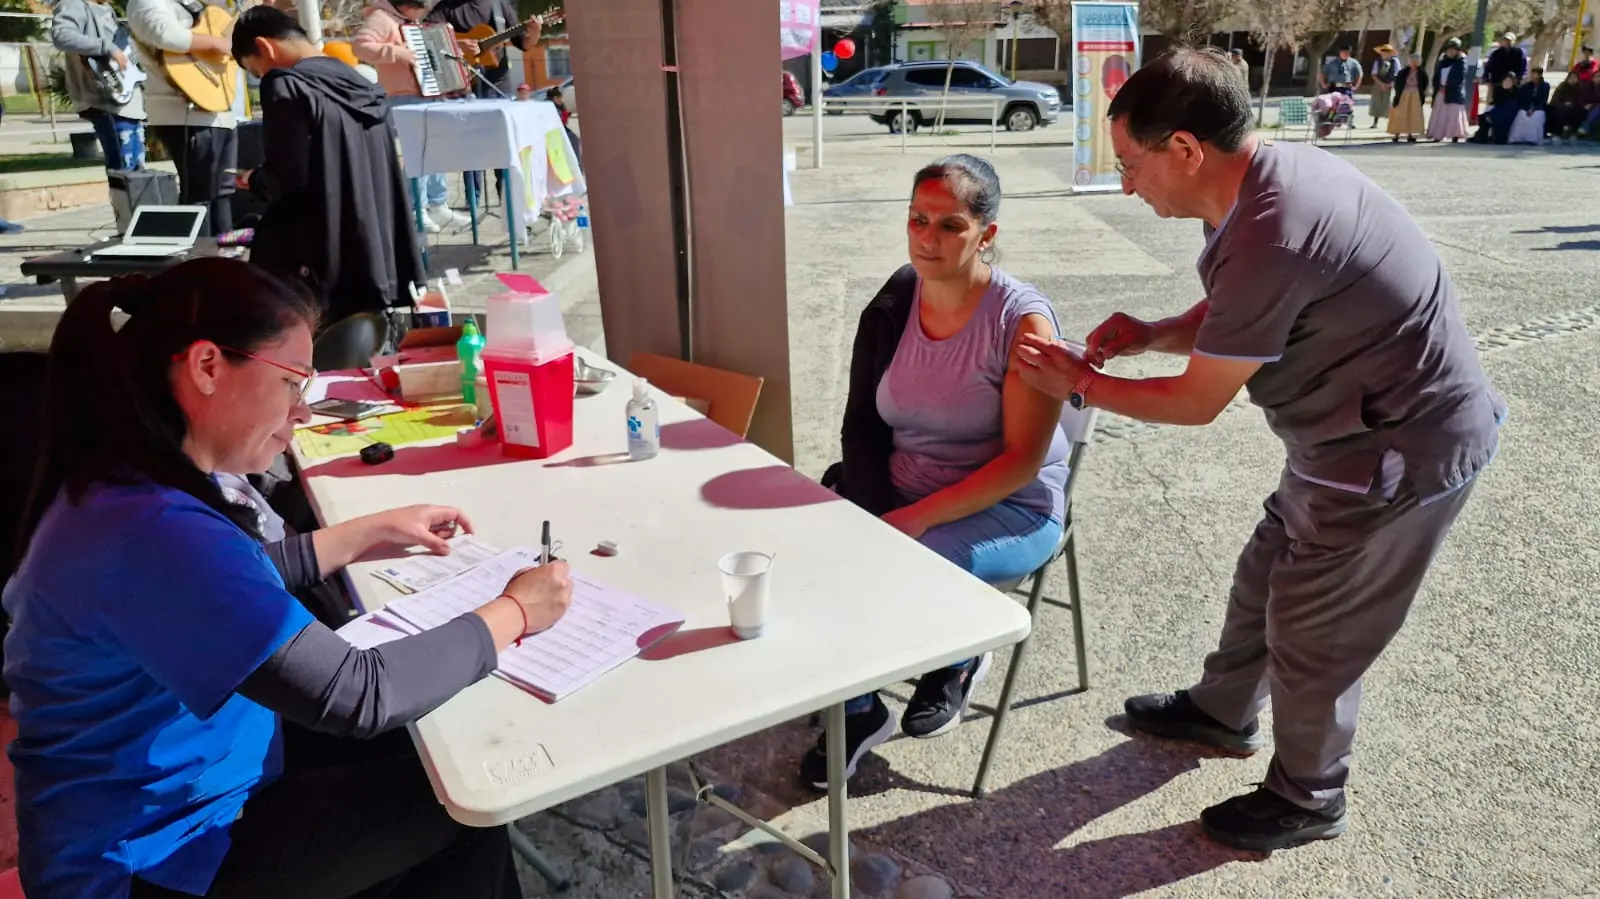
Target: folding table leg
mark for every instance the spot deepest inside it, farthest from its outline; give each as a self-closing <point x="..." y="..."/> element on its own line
<point x="472" y="205"/>
<point x="69" y="288"/>
<point x="513" y="225"/>
<point x="838" y="822"/>
<point x="522" y="846"/>
<point x="660" y="822"/>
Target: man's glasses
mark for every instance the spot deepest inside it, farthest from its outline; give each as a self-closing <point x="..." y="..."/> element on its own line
<point x="1127" y="170"/>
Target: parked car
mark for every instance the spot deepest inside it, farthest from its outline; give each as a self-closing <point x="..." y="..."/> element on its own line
<point x="793" y="96"/>
<point x="1022" y="106"/>
<point x="569" y="94"/>
<point x="854" y="88"/>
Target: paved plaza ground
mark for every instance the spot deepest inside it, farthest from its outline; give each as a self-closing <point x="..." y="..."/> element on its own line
<point x="1475" y="769"/>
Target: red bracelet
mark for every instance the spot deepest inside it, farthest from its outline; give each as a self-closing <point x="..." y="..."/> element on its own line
<point x="525" y="628"/>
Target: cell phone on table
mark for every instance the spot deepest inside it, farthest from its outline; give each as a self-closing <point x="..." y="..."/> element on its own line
<point x="348" y="410"/>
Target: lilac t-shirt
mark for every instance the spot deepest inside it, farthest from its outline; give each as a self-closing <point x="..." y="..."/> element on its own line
<point x="942" y="398"/>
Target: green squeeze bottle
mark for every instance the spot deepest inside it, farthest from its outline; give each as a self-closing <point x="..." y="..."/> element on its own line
<point x="468" y="349"/>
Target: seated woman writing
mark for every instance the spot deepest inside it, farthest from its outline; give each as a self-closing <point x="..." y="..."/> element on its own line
<point x="941" y="437"/>
<point x="165" y="683"/>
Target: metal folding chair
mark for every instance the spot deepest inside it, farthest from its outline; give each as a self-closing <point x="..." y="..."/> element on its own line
<point x="1294" y="112"/>
<point x="1078" y="425"/>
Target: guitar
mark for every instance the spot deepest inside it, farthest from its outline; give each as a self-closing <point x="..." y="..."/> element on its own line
<point x="489" y="40"/>
<point x="117" y="83"/>
<point x="210" y="85"/>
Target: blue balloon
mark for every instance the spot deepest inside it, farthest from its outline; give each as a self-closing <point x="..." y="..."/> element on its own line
<point x="829" y="61"/>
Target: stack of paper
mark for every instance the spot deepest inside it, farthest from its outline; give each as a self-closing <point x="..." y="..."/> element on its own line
<point x="602" y="629"/>
<point x="422" y="571"/>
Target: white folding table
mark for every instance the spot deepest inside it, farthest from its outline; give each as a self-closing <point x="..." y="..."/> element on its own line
<point x="855" y="606"/>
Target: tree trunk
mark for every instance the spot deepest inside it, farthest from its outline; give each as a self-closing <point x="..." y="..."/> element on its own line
<point x="1266" y="79"/>
<point x="1317" y="46"/>
<point x="944" y="98"/>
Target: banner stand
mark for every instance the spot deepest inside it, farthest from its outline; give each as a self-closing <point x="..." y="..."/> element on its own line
<point x="1105" y="52"/>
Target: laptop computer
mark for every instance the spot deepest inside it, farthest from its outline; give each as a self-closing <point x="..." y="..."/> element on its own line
<point x="157" y="231"/>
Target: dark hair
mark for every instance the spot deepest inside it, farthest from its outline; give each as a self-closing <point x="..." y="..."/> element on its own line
<point x="109" y="412"/>
<point x="263" y="21"/>
<point x="400" y="3"/>
<point x="1539" y="69"/>
<point x="1347" y="48"/>
<point x="1185" y="89"/>
<point x="1586" y="48"/>
<point x="971" y="180"/>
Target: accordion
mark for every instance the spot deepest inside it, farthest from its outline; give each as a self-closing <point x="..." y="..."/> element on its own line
<point x="439" y="68"/>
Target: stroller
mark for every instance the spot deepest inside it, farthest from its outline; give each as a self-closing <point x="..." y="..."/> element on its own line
<point x="569" y="219"/>
<point x="1335" y="109"/>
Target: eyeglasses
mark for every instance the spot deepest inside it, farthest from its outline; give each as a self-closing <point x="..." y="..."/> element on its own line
<point x="302" y="390"/>
<point x="1127" y="170"/>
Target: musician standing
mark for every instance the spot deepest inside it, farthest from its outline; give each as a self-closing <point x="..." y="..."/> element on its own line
<point x="203" y="145"/>
<point x="85" y="29"/>
<point x="491" y="82"/>
<point x="465" y="15"/>
<point x="380" y="43"/>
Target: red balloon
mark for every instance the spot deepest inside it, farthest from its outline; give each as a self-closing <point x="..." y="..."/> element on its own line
<point x="845" y="49"/>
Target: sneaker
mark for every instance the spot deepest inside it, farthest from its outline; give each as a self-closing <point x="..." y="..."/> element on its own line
<point x="429" y="226"/>
<point x="941" y="699"/>
<point x="1262" y="821"/>
<point x="862" y="731"/>
<point x="445" y="217"/>
<point x="1175" y="716"/>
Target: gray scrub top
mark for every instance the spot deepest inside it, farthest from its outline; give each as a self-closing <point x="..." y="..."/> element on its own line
<point x="1325" y="278"/>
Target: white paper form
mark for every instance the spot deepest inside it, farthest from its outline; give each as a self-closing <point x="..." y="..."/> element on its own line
<point x="419" y="572"/>
<point x="602" y="629"/>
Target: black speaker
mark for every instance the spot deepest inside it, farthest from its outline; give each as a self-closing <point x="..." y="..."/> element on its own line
<point x="130" y="190"/>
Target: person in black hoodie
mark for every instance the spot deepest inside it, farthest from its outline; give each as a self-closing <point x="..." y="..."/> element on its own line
<point x="338" y="210"/>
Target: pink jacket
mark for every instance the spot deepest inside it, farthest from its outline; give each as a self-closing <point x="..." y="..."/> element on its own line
<point x="378" y="42"/>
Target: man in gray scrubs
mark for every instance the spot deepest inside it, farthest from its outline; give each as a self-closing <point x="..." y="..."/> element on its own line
<point x="1324" y="299"/>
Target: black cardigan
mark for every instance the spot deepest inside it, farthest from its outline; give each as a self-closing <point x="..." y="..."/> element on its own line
<point x="866" y="439"/>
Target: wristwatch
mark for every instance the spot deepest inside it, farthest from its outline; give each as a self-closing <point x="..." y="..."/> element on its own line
<point x="1079" y="398"/>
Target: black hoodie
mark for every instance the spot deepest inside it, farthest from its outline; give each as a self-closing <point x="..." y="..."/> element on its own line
<point x="338" y="213"/>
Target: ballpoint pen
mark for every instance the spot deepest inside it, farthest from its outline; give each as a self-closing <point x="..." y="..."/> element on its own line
<point x="544" y="545"/>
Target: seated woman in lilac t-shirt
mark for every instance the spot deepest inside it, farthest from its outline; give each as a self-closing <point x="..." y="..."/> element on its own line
<point x="941" y="437"/>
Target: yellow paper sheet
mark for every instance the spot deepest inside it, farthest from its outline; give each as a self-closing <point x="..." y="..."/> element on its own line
<point x="346" y="438"/>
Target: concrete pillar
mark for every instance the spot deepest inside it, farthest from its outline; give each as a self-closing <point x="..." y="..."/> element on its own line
<point x="732" y="150"/>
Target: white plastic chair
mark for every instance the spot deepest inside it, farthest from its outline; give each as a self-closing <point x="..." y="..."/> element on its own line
<point x="1078" y="425"/>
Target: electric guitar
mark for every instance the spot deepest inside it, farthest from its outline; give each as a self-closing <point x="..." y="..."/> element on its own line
<point x="118" y="84"/>
<point x="489" y="40"/>
<point x="209" y="84"/>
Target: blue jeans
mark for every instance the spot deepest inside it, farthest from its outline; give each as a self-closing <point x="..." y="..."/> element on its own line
<point x="1001" y="543"/>
<point x="121" y="140"/>
<point x="435" y="189"/>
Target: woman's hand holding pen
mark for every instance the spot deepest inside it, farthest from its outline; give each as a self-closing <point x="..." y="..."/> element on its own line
<point x="544" y="593"/>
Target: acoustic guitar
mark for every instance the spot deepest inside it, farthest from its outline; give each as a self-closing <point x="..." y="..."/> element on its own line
<point x="210" y="85"/>
<point x="489" y="41"/>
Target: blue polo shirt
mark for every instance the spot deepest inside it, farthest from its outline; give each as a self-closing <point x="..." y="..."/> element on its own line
<point x="135" y="615"/>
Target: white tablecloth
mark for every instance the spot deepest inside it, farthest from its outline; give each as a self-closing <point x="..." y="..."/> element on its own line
<point x="473" y="135"/>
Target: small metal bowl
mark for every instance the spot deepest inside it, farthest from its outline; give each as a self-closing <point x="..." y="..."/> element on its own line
<point x="590" y="380"/>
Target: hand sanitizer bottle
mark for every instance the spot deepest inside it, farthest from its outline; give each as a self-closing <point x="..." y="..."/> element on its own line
<point x="644" y="423"/>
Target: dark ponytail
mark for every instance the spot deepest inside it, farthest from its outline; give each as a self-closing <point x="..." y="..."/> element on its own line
<point x="109" y="412"/>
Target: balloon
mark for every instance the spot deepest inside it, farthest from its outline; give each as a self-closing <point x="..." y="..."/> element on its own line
<point x="845" y="49"/>
<point x="829" y="61"/>
<point x="341" y="51"/>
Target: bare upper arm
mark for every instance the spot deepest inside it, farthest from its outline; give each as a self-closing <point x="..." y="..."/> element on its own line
<point x="1029" y="417"/>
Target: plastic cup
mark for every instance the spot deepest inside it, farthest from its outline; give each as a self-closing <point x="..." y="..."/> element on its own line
<point x="747" y="582"/>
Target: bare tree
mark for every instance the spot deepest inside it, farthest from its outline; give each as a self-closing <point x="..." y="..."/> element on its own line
<point x="1056" y="15"/>
<point x="1188" y="22"/>
<point x="1330" y="17"/>
<point x="1279" y="25"/>
<point x="961" y="22"/>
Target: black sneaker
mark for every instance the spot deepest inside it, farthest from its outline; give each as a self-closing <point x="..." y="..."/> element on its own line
<point x="941" y="698"/>
<point x="862" y="731"/>
<point x="1262" y="821"/>
<point x="1175" y="716"/>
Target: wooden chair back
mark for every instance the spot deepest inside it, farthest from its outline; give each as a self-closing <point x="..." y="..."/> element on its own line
<point x="727" y="398"/>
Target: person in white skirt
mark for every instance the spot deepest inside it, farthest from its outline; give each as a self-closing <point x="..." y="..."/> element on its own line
<point x="1449" y="119"/>
<point x="1533" y="98"/>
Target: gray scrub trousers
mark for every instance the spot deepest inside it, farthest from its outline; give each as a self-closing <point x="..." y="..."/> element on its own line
<point x="1375" y="387"/>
